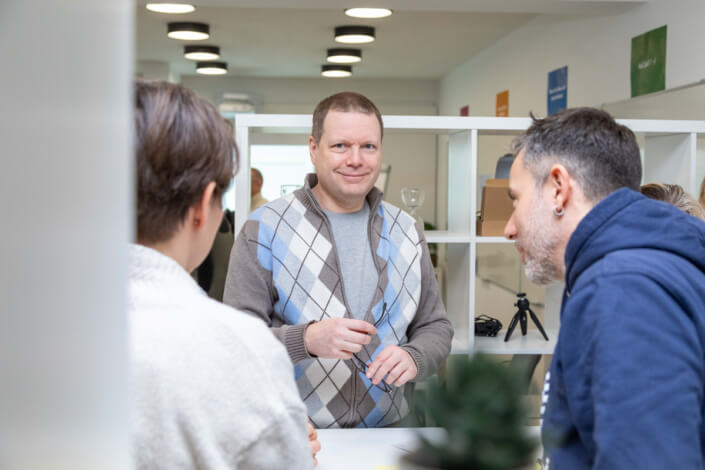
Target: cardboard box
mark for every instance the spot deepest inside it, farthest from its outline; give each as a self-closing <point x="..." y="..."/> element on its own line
<point x="496" y="208"/>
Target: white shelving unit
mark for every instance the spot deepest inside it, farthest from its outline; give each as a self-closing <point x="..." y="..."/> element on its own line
<point x="669" y="155"/>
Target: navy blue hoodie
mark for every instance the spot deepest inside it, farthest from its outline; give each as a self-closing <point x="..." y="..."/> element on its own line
<point x="627" y="381"/>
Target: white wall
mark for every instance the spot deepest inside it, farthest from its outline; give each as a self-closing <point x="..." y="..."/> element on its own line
<point x="680" y="103"/>
<point x="65" y="184"/>
<point x="152" y="70"/>
<point x="300" y="95"/>
<point x="596" y="49"/>
<point x="412" y="156"/>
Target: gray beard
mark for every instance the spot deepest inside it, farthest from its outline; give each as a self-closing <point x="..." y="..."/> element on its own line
<point x="540" y="245"/>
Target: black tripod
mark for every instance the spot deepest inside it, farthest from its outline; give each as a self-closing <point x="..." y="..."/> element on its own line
<point x="520" y="316"/>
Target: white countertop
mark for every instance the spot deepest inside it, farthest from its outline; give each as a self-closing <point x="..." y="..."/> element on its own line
<point x="372" y="449"/>
<point x="368" y="449"/>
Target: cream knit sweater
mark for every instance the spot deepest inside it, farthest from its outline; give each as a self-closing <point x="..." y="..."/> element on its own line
<point x="212" y="387"/>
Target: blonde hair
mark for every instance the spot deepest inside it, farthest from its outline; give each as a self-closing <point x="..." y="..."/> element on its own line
<point x="676" y="196"/>
<point x="702" y="193"/>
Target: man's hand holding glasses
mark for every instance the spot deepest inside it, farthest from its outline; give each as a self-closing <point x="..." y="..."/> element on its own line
<point x="337" y="338"/>
<point x="343" y="338"/>
<point x="393" y="360"/>
<point x="395" y="363"/>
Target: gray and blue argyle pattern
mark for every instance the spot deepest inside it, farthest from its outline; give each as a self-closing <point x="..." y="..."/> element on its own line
<point x="295" y="244"/>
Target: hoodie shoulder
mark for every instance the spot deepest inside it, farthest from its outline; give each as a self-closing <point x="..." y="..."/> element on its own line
<point x="626" y="221"/>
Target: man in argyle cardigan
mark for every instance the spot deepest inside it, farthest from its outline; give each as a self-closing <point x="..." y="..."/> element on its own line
<point x="352" y="365"/>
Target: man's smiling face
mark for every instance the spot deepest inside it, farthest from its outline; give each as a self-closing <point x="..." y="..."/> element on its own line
<point x="347" y="158"/>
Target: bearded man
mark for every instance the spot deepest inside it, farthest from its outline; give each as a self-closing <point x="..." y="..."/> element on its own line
<point x="626" y="387"/>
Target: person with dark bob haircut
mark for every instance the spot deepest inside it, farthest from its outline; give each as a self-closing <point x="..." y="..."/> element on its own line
<point x="212" y="388"/>
<point x="626" y="386"/>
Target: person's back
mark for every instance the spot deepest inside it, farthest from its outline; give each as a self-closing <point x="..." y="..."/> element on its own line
<point x="213" y="388"/>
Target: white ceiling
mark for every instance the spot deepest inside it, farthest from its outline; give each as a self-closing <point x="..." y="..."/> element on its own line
<point x="284" y="38"/>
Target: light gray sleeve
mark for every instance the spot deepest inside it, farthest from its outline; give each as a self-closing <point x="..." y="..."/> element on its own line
<point x="283" y="440"/>
<point x="249" y="288"/>
<point x="283" y="445"/>
<point x="430" y="332"/>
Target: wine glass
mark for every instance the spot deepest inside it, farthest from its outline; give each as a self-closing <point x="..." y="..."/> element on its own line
<point x="413" y="198"/>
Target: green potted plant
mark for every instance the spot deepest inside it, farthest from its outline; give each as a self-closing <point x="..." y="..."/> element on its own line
<point x="480" y="407"/>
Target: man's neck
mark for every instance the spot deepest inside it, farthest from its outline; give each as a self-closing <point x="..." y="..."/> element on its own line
<point x="579" y="208"/>
<point x="333" y="205"/>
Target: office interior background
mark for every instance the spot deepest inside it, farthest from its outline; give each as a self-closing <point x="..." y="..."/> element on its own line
<point x="67" y="176"/>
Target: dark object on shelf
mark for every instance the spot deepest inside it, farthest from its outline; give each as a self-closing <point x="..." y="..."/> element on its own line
<point x="504" y="164"/>
<point x="524" y="366"/>
<point x="523" y="307"/>
<point x="432" y="247"/>
<point x="230" y="217"/>
<point x="487" y="326"/>
<point x="211" y="274"/>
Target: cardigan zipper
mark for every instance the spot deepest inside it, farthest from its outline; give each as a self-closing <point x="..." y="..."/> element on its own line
<point x="324" y="217"/>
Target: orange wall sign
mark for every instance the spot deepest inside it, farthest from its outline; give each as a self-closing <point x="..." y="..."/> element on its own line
<point x="502" y="107"/>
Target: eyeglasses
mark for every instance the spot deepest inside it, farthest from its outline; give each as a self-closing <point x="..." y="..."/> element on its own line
<point x="362" y="365"/>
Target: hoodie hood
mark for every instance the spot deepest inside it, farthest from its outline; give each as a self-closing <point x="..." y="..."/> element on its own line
<point x="628" y="220"/>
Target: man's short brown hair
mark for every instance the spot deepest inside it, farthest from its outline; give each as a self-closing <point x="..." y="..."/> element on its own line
<point x="181" y="145"/>
<point x="601" y="154"/>
<point x="346" y="101"/>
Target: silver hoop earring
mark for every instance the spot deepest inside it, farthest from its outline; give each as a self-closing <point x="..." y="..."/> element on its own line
<point x="558" y="212"/>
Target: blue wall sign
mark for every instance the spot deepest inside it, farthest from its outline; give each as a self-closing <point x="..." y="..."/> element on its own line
<point x="557" y="95"/>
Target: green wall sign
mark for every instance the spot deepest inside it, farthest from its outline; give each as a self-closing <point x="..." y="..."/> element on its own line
<point x="649" y="62"/>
